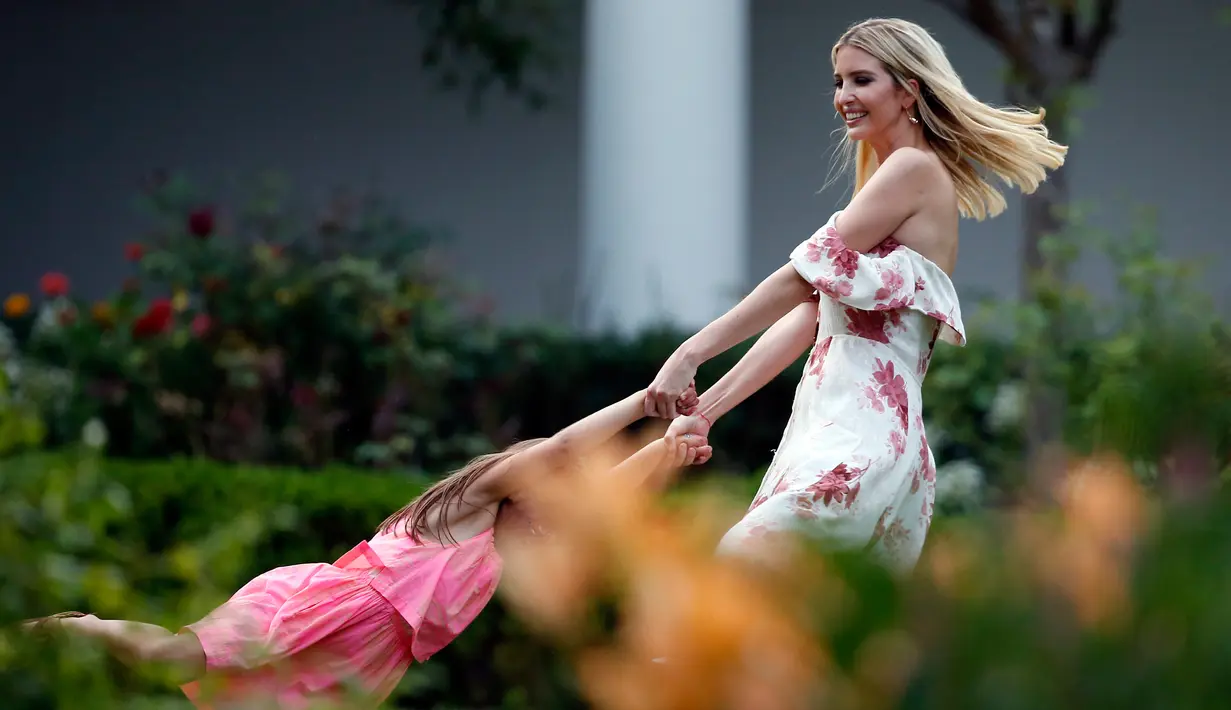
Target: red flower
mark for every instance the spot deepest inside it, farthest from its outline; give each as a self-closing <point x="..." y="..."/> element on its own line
<point x="155" y="321"/>
<point x="134" y="251"/>
<point x="201" y="222"/>
<point x="304" y="396"/>
<point x="201" y="325"/>
<point x="53" y="285"/>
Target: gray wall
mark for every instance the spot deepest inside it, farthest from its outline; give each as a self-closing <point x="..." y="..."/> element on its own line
<point x="99" y="93"/>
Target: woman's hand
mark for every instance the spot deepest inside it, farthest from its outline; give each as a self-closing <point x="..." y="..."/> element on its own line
<point x="692" y="428"/>
<point x="687" y="403"/>
<point x="669" y="386"/>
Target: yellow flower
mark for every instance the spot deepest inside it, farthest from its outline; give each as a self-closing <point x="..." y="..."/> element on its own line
<point x="16" y="305"/>
<point x="180" y="301"/>
<point x="284" y="297"/>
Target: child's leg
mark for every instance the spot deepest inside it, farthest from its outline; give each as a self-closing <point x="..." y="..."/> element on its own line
<point x="136" y="643"/>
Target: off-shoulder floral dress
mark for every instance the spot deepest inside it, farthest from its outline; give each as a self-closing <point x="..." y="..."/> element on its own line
<point x="853" y="467"/>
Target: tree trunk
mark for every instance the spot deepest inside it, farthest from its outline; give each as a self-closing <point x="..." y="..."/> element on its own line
<point x="1042" y="216"/>
<point x="1052" y="47"/>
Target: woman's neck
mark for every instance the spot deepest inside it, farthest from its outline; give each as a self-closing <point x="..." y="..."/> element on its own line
<point x="904" y="135"/>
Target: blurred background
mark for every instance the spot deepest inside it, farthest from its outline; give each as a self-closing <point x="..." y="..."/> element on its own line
<point x="271" y="267"/>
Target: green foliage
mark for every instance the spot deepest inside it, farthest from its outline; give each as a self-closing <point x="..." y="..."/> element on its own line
<point x="1141" y="372"/>
<point x="67" y="540"/>
<point x="30" y="395"/>
<point x="992" y="619"/>
<point x="1005" y="634"/>
<point x="165" y="542"/>
<point x="265" y="336"/>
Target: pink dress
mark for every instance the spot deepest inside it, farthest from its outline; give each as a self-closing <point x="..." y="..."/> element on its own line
<point x="344" y="631"/>
<point x="854" y="468"/>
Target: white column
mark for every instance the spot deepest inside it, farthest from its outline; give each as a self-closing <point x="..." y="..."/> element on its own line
<point x="665" y="134"/>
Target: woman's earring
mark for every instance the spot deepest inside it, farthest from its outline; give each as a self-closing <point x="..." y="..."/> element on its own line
<point x="913" y="119"/>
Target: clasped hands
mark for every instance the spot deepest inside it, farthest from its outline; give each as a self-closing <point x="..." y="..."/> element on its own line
<point x="673" y="395"/>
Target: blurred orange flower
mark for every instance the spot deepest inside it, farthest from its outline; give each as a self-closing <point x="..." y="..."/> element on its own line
<point x="1086" y="555"/>
<point x="721" y="634"/>
<point x="103" y="314"/>
<point x="16" y="305"/>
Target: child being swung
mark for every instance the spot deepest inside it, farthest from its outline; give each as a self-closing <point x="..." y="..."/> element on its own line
<point x="316" y="632"/>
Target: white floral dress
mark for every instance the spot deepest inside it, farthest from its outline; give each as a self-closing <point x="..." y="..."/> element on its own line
<point x="853" y="467"/>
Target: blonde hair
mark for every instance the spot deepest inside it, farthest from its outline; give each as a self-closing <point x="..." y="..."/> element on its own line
<point x="1011" y="143"/>
<point x="414" y="516"/>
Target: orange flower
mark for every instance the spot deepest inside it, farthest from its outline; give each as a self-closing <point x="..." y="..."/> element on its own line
<point x="1085" y="556"/>
<point x="16" y="305"/>
<point x="103" y="314"/>
<point x="727" y="638"/>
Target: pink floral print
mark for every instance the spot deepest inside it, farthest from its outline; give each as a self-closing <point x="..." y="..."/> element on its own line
<point x="854" y="463"/>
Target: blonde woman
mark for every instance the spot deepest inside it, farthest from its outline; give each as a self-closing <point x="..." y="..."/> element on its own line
<point x="871" y="291"/>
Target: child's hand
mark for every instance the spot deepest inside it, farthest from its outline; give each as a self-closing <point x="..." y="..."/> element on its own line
<point x="688" y="450"/>
<point x="695" y="430"/>
<point x="687" y="403"/>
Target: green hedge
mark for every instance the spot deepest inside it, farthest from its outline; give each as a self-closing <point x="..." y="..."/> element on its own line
<point x="164" y="542"/>
<point x="177" y="537"/>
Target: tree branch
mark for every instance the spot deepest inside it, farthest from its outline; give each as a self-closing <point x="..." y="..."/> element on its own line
<point x="983" y="15"/>
<point x="1096" y="40"/>
<point x="481" y="43"/>
<point x="1068" y="26"/>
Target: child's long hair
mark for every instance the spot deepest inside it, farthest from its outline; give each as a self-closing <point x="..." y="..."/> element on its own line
<point x="447" y="492"/>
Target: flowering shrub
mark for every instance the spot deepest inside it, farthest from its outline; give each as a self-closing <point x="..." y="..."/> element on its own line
<point x="262" y="335"/>
<point x="1145" y="373"/>
<point x="1103" y="600"/>
<point x="259" y="335"/>
<point x="31" y="394"/>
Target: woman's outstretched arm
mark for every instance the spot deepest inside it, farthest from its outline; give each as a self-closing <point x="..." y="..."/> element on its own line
<point x="769" y="301"/>
<point x="773" y="352"/>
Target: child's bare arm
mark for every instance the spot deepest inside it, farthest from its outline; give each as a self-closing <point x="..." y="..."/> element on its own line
<point x="569" y="443"/>
<point x="655" y="463"/>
